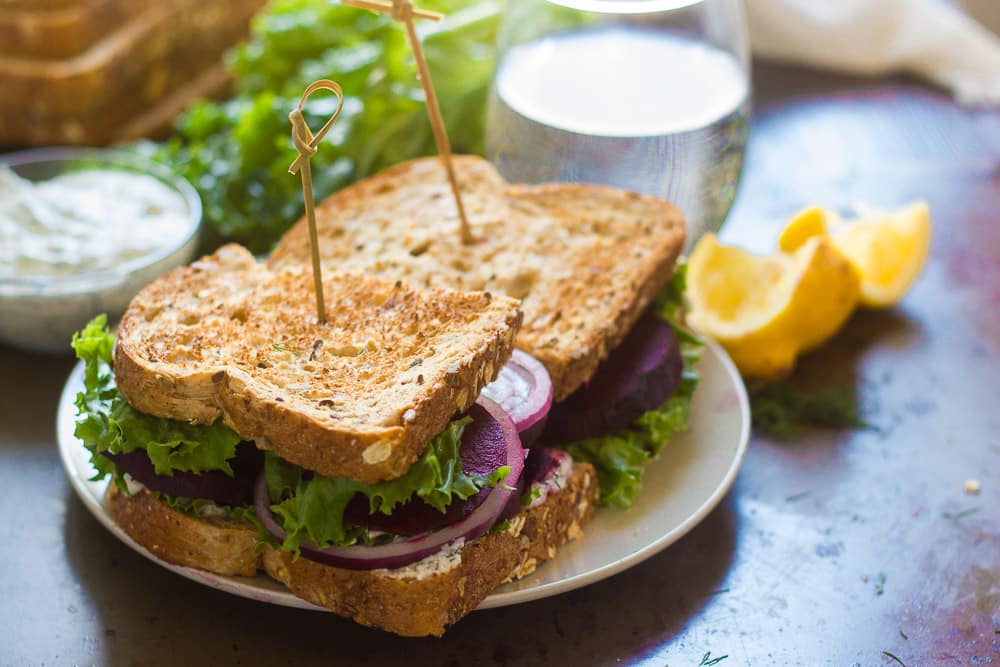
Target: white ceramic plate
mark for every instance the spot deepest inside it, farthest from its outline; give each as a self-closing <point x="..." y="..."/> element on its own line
<point x="689" y="479"/>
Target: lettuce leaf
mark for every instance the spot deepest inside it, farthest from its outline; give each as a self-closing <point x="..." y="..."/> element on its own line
<point x="236" y="152"/>
<point x="621" y="456"/>
<point x="312" y="507"/>
<point x="308" y="506"/>
<point x="107" y="423"/>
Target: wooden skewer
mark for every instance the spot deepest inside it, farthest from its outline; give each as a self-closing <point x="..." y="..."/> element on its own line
<point x="403" y="10"/>
<point x="376" y="6"/>
<point x="305" y="143"/>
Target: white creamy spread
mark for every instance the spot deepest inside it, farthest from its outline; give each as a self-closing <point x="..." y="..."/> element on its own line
<point x="85" y="221"/>
<point x="554" y="481"/>
<point x="443" y="561"/>
<point x="133" y="485"/>
<point x="209" y="510"/>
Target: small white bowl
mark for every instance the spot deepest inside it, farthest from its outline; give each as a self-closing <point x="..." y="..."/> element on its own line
<point x="40" y="313"/>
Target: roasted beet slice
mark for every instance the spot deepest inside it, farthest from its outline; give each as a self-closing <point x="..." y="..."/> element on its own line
<point x="484" y="449"/>
<point x="214" y="485"/>
<point x="638" y="376"/>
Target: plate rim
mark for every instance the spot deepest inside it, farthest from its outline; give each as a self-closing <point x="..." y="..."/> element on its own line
<point x="595" y="575"/>
<point x="265" y="589"/>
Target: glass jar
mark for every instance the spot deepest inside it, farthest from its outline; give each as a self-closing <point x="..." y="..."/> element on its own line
<point x="648" y="95"/>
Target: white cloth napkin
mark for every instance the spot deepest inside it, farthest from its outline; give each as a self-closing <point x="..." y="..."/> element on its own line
<point x="923" y="37"/>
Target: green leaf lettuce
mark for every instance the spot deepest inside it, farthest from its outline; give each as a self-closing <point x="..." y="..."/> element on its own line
<point x="107" y="423"/>
<point x="312" y="507"/>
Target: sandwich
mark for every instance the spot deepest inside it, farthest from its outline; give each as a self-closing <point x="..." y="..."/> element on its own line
<point x="356" y="461"/>
<point x="596" y="272"/>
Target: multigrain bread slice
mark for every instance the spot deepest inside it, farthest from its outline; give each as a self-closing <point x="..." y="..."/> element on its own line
<point x="216" y="544"/>
<point x="585" y="260"/>
<point x="425" y="598"/>
<point x="358" y="397"/>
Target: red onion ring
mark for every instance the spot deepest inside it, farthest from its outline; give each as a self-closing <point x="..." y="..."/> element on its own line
<point x="523" y="389"/>
<point x="405" y="552"/>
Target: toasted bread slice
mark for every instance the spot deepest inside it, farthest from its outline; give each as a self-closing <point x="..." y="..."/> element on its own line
<point x="428" y="596"/>
<point x="359" y="396"/>
<point x="223" y="546"/>
<point x="585" y="260"/>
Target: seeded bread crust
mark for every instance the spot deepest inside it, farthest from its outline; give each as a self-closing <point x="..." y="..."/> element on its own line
<point x="415" y="607"/>
<point x="223" y="546"/>
<point x="585" y="260"/>
<point x="358" y="397"/>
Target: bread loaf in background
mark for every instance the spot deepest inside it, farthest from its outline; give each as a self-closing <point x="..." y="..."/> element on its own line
<point x="50" y="30"/>
<point x="90" y="72"/>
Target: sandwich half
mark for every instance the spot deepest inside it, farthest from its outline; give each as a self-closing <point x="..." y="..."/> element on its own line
<point x="594" y="268"/>
<point x="354" y="460"/>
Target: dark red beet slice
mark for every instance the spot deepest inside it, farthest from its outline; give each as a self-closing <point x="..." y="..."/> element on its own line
<point x="214" y="485"/>
<point x="483" y="450"/>
<point x="638" y="376"/>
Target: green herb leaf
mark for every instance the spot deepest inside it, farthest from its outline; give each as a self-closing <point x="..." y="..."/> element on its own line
<point x="312" y="508"/>
<point x="955" y="516"/>
<point x="778" y="409"/>
<point x="894" y="658"/>
<point x="107" y="423"/>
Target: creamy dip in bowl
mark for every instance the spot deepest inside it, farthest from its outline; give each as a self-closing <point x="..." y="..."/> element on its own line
<point x="81" y="231"/>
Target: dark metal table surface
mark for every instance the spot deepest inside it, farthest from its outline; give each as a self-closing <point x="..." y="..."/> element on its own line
<point x="833" y="547"/>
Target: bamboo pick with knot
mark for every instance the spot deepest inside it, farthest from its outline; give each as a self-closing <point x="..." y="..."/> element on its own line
<point x="305" y="143"/>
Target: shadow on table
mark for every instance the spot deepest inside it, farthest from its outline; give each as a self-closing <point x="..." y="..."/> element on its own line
<point x="145" y="614"/>
<point x="29" y="393"/>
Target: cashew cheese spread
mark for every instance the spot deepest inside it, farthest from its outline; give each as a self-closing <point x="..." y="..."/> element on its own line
<point x="85" y="221"/>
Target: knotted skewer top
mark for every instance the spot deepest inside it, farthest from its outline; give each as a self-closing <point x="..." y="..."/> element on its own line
<point x="306" y="143"/>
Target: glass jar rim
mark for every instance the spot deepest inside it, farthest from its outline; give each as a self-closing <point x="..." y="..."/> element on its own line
<point x="626" y="6"/>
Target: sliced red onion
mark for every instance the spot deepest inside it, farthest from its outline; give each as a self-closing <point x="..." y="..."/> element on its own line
<point x="213" y="485"/>
<point x="402" y="553"/>
<point x="523" y="389"/>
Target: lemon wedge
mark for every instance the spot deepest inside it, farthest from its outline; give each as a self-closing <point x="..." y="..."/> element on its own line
<point x="804" y="225"/>
<point x="888" y="248"/>
<point x="767" y="310"/>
